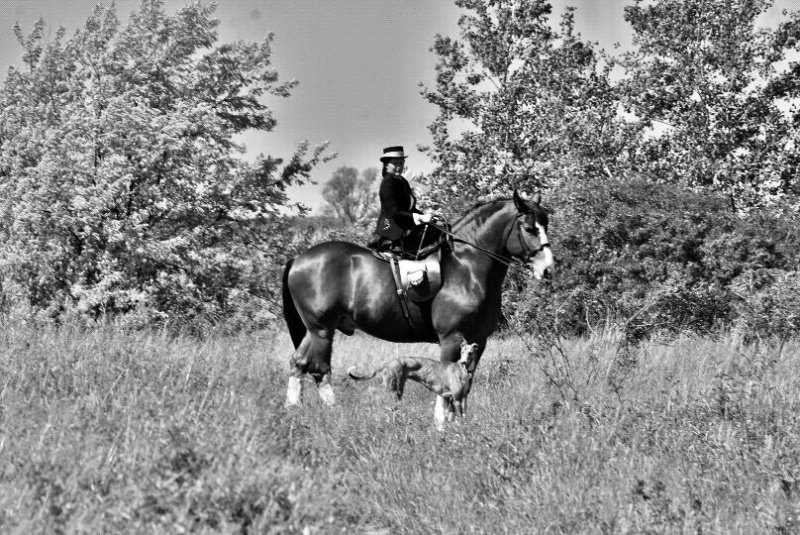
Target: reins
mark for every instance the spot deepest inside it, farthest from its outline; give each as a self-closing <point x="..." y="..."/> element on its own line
<point x="506" y="260"/>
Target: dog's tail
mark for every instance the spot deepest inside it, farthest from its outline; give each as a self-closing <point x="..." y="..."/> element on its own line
<point x="351" y="371"/>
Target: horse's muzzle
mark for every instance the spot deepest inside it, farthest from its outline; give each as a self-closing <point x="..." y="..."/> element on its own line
<point x="542" y="262"/>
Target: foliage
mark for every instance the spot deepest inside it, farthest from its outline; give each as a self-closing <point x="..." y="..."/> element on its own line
<point x="534" y="104"/>
<point x="314" y="229"/>
<point x="654" y="258"/>
<point x="714" y="84"/>
<point x="704" y="99"/>
<point x="351" y="199"/>
<point x="121" y="185"/>
<point x="771" y="312"/>
<point x="672" y="169"/>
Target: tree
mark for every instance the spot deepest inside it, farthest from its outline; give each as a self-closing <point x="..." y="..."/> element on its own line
<point x="121" y="186"/>
<point x="536" y="101"/>
<point x="711" y="79"/>
<point x="350" y="198"/>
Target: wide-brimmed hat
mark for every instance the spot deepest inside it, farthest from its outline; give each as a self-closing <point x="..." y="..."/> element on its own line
<point x="393" y="152"/>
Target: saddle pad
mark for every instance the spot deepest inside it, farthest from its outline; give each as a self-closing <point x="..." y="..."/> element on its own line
<point x="433" y="277"/>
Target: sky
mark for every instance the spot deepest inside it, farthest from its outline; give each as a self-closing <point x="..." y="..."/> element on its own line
<point x="359" y="64"/>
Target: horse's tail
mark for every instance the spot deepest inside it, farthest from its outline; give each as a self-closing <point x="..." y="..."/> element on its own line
<point x="297" y="330"/>
<point x="351" y="371"/>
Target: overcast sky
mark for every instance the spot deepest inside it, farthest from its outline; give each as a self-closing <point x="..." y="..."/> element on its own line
<point x="359" y="63"/>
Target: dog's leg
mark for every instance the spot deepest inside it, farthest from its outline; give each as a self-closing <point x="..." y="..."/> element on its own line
<point x="472" y="364"/>
<point x="458" y="404"/>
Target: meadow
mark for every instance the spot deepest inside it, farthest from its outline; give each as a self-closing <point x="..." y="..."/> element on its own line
<point x="108" y="431"/>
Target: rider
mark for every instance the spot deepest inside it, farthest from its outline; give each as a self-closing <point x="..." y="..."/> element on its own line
<point x="400" y="222"/>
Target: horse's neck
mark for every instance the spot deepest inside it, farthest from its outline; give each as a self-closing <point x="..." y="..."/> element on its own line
<point x="485" y="227"/>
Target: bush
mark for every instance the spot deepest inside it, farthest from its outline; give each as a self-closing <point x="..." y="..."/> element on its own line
<point x="655" y="258"/>
<point x="769" y="305"/>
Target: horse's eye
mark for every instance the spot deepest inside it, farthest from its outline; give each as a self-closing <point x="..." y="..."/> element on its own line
<point x="531" y="229"/>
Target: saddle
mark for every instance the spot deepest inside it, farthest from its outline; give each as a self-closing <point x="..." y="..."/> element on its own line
<point x="417" y="280"/>
<point x="417" y="276"/>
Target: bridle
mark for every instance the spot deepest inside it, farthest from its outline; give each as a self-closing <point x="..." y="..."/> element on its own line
<point x="529" y="252"/>
<point x="509" y="261"/>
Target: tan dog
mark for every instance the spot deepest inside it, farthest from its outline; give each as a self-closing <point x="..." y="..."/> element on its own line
<point x="447" y="379"/>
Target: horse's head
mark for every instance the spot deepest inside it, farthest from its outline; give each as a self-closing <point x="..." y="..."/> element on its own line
<point x="531" y="243"/>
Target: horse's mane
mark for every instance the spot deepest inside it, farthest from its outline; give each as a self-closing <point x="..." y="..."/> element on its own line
<point x="487" y="201"/>
<point x="475" y="209"/>
<point x="472" y="209"/>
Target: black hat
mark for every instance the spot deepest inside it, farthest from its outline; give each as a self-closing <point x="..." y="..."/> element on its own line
<point x="393" y="152"/>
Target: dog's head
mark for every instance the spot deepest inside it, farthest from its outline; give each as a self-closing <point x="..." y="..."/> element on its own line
<point x="467" y="351"/>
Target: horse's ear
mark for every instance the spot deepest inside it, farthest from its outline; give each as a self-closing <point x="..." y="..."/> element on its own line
<point x="519" y="202"/>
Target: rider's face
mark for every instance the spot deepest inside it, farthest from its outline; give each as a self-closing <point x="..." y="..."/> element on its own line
<point x="395" y="166"/>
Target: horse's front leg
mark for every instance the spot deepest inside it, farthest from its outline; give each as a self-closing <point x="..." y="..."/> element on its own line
<point x="325" y="389"/>
<point x="450" y="352"/>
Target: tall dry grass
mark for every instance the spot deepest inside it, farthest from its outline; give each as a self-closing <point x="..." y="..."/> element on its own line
<point x="106" y="431"/>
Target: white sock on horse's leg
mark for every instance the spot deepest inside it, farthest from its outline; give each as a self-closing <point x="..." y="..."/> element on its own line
<point x="439" y="412"/>
<point x="293" y="392"/>
<point x="325" y="391"/>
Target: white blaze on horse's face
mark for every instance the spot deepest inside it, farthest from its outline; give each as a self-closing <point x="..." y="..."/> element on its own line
<point x="542" y="261"/>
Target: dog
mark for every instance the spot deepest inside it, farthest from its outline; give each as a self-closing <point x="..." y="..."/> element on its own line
<point x="447" y="379"/>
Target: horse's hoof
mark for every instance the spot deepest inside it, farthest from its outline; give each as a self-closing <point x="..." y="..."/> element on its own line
<point x="293" y="391"/>
<point x="326" y="395"/>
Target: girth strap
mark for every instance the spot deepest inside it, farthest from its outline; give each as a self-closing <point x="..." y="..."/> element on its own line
<point x="394" y="266"/>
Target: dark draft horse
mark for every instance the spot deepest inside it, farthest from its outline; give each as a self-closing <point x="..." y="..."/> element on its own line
<point x="339" y="285"/>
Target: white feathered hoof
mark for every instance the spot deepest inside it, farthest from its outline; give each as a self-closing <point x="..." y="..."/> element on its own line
<point x="326" y="394"/>
<point x="440" y="413"/>
<point x="293" y="392"/>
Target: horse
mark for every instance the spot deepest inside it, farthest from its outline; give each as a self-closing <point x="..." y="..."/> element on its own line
<point x="342" y="286"/>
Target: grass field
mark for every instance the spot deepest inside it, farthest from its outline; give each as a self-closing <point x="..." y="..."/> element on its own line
<point x="104" y="431"/>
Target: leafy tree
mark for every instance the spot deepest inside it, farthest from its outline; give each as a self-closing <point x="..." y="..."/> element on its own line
<point x="121" y="185"/>
<point x="349" y="198"/>
<point x="712" y="77"/>
<point x="534" y="104"/>
<point x="643" y="228"/>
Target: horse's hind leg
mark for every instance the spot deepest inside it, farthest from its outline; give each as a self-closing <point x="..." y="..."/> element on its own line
<point x="298" y="365"/>
<point x="312" y="356"/>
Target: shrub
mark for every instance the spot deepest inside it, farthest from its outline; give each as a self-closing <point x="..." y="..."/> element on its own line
<point x="653" y="257"/>
<point x="769" y="307"/>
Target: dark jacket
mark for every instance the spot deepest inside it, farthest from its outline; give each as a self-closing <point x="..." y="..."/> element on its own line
<point x="397" y="205"/>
